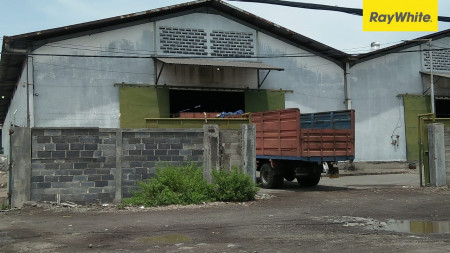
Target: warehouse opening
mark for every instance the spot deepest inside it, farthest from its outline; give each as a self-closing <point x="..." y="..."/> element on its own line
<point x="205" y="101"/>
<point x="443" y="107"/>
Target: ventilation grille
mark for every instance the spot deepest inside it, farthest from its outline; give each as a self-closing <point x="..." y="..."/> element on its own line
<point x="441" y="60"/>
<point x="237" y="44"/>
<point x="197" y="42"/>
<point x="183" y="41"/>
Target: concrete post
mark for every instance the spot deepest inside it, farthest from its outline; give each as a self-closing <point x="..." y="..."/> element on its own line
<point x="118" y="176"/>
<point x="447" y="153"/>
<point x="249" y="150"/>
<point x="437" y="154"/>
<point x="21" y="166"/>
<point x="211" y="155"/>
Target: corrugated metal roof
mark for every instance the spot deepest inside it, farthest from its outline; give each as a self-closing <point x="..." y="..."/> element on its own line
<point x="218" y="63"/>
<point x="398" y="47"/>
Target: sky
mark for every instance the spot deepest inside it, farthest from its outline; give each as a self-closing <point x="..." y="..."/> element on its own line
<point x="339" y="30"/>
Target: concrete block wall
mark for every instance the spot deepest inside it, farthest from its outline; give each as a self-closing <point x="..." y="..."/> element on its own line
<point x="74" y="165"/>
<point x="91" y="165"/>
<point x="144" y="150"/>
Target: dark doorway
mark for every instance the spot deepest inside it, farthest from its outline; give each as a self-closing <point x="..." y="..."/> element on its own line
<point x="205" y="101"/>
<point x="442" y="108"/>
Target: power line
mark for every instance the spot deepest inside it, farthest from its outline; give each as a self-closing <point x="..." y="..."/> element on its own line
<point x="218" y="57"/>
<point x="353" y="11"/>
<point x="148" y="56"/>
<point x="147" y="52"/>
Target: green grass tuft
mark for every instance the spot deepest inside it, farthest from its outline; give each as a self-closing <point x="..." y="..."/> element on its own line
<point x="185" y="185"/>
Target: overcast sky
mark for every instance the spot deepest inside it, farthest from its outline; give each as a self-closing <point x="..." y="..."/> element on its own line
<point x="339" y="30"/>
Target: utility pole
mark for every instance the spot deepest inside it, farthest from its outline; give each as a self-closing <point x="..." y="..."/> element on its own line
<point x="430" y="50"/>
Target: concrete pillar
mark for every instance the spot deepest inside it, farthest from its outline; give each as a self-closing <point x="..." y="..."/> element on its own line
<point x="118" y="176"/>
<point x="249" y="150"/>
<point x="447" y="153"/>
<point x="211" y="155"/>
<point x="436" y="147"/>
<point x="21" y="166"/>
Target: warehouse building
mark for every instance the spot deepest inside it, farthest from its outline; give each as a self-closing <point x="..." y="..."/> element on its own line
<point x="209" y="56"/>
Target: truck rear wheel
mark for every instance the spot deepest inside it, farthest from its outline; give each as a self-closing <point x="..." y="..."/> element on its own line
<point x="268" y="178"/>
<point x="310" y="180"/>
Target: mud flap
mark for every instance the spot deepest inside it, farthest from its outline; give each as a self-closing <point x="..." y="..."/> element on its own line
<point x="330" y="170"/>
<point x="333" y="172"/>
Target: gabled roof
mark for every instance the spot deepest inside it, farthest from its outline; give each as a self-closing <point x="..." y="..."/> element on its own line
<point x="14" y="47"/>
<point x="399" y="47"/>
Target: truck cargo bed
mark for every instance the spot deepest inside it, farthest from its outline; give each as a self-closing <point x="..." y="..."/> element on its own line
<point x="322" y="137"/>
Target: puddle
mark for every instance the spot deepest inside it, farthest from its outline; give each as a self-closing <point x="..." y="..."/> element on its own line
<point x="416" y="227"/>
<point x="165" y="239"/>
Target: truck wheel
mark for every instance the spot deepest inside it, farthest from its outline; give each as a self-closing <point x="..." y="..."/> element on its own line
<point x="309" y="180"/>
<point x="268" y="179"/>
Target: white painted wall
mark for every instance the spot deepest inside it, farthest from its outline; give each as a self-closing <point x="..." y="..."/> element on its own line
<point x="374" y="89"/>
<point x="79" y="91"/>
<point x="318" y="83"/>
<point x="17" y="113"/>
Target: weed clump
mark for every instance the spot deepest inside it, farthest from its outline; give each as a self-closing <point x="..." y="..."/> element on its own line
<point x="184" y="185"/>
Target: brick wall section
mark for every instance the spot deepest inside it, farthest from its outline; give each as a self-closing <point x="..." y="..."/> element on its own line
<point x="79" y="165"/>
<point x="447" y="153"/>
<point x="76" y="165"/>
<point x="144" y="150"/>
<point x="91" y="166"/>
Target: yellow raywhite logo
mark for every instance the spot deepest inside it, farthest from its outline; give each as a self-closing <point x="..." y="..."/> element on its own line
<point x="400" y="15"/>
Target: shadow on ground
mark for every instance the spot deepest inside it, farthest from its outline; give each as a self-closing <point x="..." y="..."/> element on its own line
<point x="295" y="187"/>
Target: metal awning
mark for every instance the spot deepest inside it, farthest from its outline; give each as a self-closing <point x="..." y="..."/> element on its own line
<point x="439" y="74"/>
<point x="218" y="63"/>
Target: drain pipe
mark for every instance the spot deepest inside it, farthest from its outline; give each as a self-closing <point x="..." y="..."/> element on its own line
<point x="348" y="101"/>
<point x="421" y="146"/>
<point x="10" y="166"/>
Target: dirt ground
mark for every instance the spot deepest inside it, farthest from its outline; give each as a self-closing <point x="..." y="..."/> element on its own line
<point x="354" y="215"/>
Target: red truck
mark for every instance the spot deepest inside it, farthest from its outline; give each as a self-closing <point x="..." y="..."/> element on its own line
<point x="290" y="145"/>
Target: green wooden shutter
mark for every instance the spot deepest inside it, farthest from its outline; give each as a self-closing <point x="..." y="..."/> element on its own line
<point x="140" y="102"/>
<point x="414" y="105"/>
<point x="264" y="100"/>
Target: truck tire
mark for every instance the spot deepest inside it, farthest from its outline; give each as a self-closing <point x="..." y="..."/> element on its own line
<point x="309" y="180"/>
<point x="268" y="178"/>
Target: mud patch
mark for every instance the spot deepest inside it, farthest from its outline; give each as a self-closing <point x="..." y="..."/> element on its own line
<point x="401" y="226"/>
<point x="417" y="227"/>
<point x="165" y="239"/>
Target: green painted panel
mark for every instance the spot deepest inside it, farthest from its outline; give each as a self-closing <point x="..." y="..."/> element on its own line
<point x="264" y="100"/>
<point x="414" y="105"/>
<point x="140" y="102"/>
